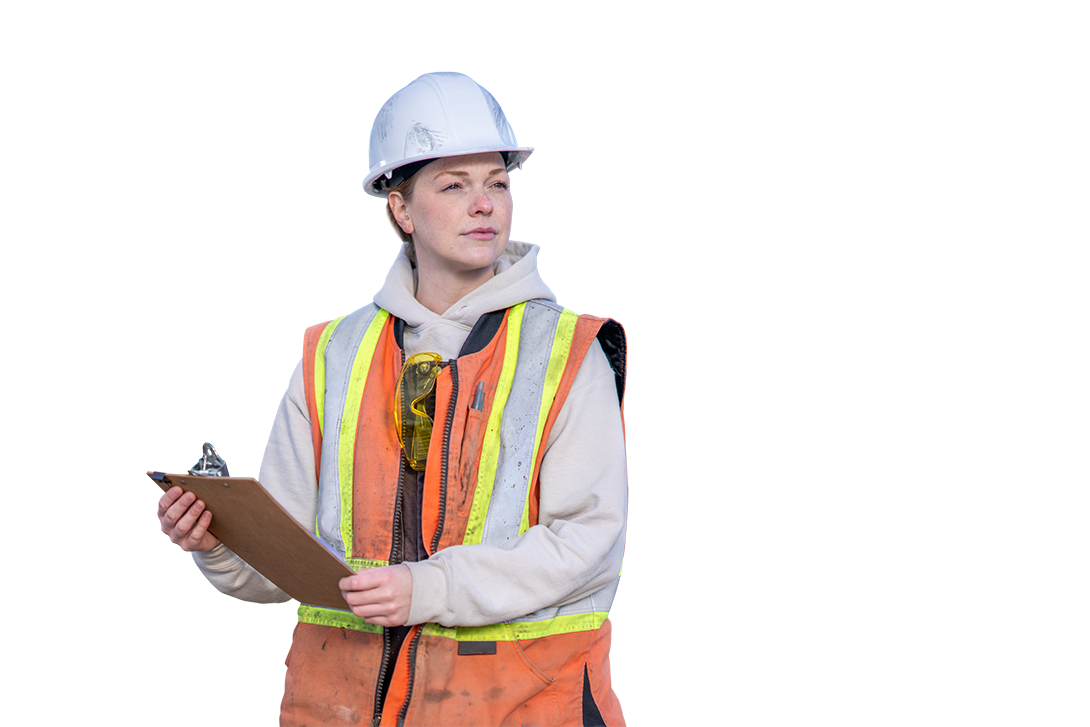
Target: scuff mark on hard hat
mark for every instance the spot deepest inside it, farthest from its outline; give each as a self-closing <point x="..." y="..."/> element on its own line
<point x="498" y="118"/>
<point x="386" y="117"/>
<point x="421" y="140"/>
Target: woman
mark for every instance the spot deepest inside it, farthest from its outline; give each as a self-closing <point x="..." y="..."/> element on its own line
<point x="460" y="443"/>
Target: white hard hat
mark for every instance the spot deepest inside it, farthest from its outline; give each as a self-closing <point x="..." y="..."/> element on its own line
<point x="437" y="115"/>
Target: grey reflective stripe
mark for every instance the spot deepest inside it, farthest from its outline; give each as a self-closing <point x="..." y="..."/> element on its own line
<point x="340" y="353"/>
<point x="518" y="432"/>
<point x="598" y="602"/>
<point x="518" y="429"/>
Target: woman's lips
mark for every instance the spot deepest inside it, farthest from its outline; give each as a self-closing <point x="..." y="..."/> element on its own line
<point x="481" y="233"/>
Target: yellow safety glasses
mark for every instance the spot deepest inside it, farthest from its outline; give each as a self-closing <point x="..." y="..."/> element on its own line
<point x="414" y="385"/>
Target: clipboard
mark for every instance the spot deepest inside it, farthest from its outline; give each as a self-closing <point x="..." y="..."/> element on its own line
<point x="247" y="519"/>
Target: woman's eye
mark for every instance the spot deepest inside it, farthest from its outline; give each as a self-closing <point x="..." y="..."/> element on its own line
<point x="458" y="185"/>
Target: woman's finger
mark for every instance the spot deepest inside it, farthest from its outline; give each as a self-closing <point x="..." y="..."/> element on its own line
<point x="167" y="512"/>
<point x="200" y="529"/>
<point x="175" y="512"/>
<point x="182" y="516"/>
<point x="371" y="610"/>
<point x="189" y="518"/>
<point x="364" y="598"/>
<point x="168" y="499"/>
<point x="359" y="582"/>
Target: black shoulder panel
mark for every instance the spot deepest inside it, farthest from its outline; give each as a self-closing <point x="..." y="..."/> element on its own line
<point x="399" y="333"/>
<point x="478" y="338"/>
<point x="611" y="338"/>
<point x="483" y="332"/>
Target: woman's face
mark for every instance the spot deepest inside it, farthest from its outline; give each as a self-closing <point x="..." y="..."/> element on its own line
<point x="459" y="214"/>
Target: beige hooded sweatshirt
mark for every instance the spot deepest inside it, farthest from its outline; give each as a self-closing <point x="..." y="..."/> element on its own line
<point x="577" y="546"/>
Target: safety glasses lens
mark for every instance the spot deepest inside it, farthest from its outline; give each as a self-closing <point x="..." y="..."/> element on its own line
<point x="416" y="384"/>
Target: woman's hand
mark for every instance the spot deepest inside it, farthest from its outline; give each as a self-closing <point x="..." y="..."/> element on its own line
<point x="185" y="521"/>
<point x="380" y="595"/>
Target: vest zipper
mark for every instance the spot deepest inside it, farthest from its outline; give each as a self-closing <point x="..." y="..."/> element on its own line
<point x="387" y="639"/>
<point x="387" y="642"/>
<point x="379" y="692"/>
<point x="451" y="408"/>
<point x="412" y="677"/>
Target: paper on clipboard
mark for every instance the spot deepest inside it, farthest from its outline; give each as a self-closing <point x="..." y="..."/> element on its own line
<point x="247" y="519"/>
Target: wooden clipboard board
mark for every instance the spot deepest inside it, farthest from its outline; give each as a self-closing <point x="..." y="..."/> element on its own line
<point x="247" y="519"/>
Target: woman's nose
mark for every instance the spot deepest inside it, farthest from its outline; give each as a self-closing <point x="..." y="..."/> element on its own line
<point x="481" y="203"/>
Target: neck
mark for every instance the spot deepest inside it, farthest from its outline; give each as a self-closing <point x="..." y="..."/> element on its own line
<point x="439" y="291"/>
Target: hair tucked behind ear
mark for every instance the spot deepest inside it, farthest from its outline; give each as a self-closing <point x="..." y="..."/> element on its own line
<point x="405" y="189"/>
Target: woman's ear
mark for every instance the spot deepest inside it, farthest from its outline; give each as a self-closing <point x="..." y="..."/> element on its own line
<point x="400" y="211"/>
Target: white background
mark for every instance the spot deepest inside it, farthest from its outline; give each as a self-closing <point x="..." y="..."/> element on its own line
<point x="859" y="331"/>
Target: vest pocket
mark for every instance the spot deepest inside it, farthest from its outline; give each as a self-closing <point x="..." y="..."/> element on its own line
<point x="331" y="676"/>
<point x="525" y="658"/>
<point x="493" y="689"/>
<point x="471" y="449"/>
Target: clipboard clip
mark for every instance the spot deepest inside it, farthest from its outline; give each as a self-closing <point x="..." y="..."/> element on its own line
<point x="210" y="464"/>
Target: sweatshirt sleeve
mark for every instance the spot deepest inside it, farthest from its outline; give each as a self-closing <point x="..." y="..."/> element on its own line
<point x="287" y="472"/>
<point x="577" y="545"/>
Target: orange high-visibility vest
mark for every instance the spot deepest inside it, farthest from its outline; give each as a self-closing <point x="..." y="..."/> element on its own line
<point x="480" y="486"/>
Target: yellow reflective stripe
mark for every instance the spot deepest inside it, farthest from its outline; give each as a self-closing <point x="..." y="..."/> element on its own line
<point x="346" y="454"/>
<point x="319" y="370"/>
<point x="337" y="619"/>
<point x="558" y="359"/>
<point x="512" y="631"/>
<point x="490" y="450"/>
<point x="518" y="630"/>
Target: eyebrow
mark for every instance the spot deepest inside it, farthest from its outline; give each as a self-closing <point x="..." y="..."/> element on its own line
<point x="456" y="173"/>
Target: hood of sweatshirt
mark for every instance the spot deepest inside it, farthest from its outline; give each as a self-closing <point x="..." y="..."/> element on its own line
<point x="516" y="279"/>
